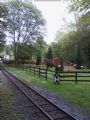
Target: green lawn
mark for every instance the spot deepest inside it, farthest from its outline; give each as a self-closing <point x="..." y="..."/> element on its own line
<point x="78" y="94"/>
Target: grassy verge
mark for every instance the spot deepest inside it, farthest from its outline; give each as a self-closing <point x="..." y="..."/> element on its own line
<point x="9" y="111"/>
<point x="78" y="94"/>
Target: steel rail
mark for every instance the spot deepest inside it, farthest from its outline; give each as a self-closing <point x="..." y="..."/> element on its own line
<point x="49" y="117"/>
<point x="73" y="118"/>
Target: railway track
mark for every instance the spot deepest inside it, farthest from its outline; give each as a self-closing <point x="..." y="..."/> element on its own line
<point x="48" y="110"/>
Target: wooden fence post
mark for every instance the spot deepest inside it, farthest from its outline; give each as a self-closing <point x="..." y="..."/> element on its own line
<point x="34" y="70"/>
<point x="46" y="74"/>
<point x="30" y="69"/>
<point x="39" y="71"/>
<point x="76" y="77"/>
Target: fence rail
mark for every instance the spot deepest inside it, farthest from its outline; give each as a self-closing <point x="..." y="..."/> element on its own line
<point x="74" y="76"/>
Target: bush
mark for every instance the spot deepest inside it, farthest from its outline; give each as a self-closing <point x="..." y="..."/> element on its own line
<point x="9" y="62"/>
<point x="20" y="61"/>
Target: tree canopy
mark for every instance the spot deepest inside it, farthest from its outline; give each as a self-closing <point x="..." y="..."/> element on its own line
<point x="3" y="13"/>
<point x="25" y="24"/>
<point x="25" y="21"/>
<point x="74" y="45"/>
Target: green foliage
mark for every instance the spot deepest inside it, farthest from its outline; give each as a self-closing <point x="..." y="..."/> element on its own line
<point x="79" y="5"/>
<point x="9" y="49"/>
<point x="39" y="48"/>
<point x="25" y="24"/>
<point x="38" y="59"/>
<point x="64" y="45"/>
<point x="26" y="20"/>
<point x="49" y="58"/>
<point x="78" y="60"/>
<point x="24" y="52"/>
<point x="3" y="13"/>
<point x="71" y="48"/>
<point x="74" y="45"/>
<point x="49" y="54"/>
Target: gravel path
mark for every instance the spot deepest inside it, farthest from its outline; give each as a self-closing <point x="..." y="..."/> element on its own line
<point x="19" y="107"/>
<point x="24" y="109"/>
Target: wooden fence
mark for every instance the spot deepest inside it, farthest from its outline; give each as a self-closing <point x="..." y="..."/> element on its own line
<point x="74" y="76"/>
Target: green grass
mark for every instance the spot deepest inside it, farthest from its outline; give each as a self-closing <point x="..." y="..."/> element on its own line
<point x="78" y="94"/>
<point x="9" y="111"/>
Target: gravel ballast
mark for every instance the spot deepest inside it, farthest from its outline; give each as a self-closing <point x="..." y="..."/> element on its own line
<point x="18" y="102"/>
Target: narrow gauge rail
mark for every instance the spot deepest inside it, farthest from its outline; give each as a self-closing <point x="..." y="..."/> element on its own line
<point x="50" y="110"/>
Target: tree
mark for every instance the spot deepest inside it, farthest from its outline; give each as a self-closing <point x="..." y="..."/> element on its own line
<point x="75" y="42"/>
<point x="49" y="54"/>
<point x="9" y="49"/>
<point x="24" y="52"/>
<point x="25" y="23"/>
<point x="64" y="47"/>
<point x="81" y="11"/>
<point x="49" y="57"/>
<point x="74" y="45"/>
<point x="38" y="59"/>
<point x="39" y="50"/>
<point x="81" y="6"/>
<point x="3" y="13"/>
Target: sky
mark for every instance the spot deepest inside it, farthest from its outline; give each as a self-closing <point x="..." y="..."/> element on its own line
<point x="54" y="13"/>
